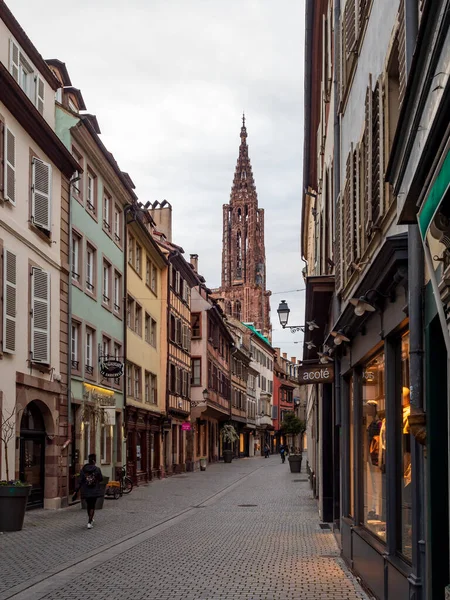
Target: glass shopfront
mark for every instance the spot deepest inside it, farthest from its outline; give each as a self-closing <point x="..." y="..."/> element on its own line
<point x="374" y="445"/>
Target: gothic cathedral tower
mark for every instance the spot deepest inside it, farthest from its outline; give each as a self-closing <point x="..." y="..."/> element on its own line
<point x="243" y="290"/>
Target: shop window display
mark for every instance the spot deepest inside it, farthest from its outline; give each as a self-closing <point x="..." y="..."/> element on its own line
<point x="406" y="506"/>
<point x="374" y="446"/>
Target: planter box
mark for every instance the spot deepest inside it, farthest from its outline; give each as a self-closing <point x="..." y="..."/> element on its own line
<point x="13" y="503"/>
<point x="227" y="456"/>
<point x="101" y="499"/>
<point x="295" y="463"/>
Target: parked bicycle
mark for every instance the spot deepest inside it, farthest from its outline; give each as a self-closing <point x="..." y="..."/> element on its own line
<point x="123" y="485"/>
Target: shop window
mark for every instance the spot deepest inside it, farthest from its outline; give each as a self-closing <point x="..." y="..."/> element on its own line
<point x="406" y="497"/>
<point x="374" y="446"/>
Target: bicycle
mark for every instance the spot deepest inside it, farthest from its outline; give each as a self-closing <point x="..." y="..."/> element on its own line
<point x="124" y="485"/>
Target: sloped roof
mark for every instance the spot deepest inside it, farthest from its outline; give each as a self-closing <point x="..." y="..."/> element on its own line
<point x="256" y="332"/>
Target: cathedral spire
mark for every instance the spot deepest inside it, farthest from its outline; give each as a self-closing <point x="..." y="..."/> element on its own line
<point x="243" y="177"/>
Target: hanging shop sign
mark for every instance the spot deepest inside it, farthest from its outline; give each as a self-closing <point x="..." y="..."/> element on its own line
<point x="315" y="373"/>
<point x="111" y="368"/>
<point x="186" y="426"/>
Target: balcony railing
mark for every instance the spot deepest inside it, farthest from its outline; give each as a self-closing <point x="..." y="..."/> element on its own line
<point x="89" y="286"/>
<point x="89" y="369"/>
<point x="75" y="364"/>
<point x="90" y="206"/>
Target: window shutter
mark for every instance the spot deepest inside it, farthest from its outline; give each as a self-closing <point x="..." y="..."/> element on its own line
<point x="40" y="319"/>
<point x="401" y="52"/>
<point x="14" y="60"/>
<point x="357" y="201"/>
<point x="348" y="238"/>
<point x="368" y="161"/>
<point x="9" y="301"/>
<point x="39" y="101"/>
<point x="10" y="167"/>
<point x="337" y="247"/>
<point x="2" y="156"/>
<point x="351" y="26"/>
<point x="377" y="154"/>
<point x="40" y="194"/>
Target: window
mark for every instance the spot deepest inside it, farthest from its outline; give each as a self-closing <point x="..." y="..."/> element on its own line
<point x="104" y="443"/>
<point x="196" y="377"/>
<point x="405" y="473"/>
<point x="22" y="71"/>
<point x="90" y="268"/>
<point x="374" y="446"/>
<point x="75" y="346"/>
<point x="173" y="329"/>
<point x="77" y="185"/>
<point x="117" y="292"/>
<point x="9" y="166"/>
<point x="40" y="316"/>
<point x="137" y="382"/>
<point x="106" y="283"/>
<point x="131" y="250"/>
<point x="86" y="440"/>
<point x="138" y="319"/>
<point x="89" y="364"/>
<point x="179" y="332"/>
<point x="137" y="264"/>
<point x="129" y="380"/>
<point x="130" y="312"/>
<point x="196" y="325"/>
<point x="107" y="212"/>
<point x="76" y="257"/>
<point x="148" y="265"/>
<point x="173" y="377"/>
<point x="150" y="388"/>
<point x="106" y="348"/>
<point x="117" y="224"/>
<point x="91" y="192"/>
<point x="154" y="278"/>
<point x="153" y="332"/>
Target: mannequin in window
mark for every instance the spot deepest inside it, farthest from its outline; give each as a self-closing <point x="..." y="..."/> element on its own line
<point x="406" y="411"/>
<point x="373" y="459"/>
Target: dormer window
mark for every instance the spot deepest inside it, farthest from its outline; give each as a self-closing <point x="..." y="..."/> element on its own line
<point x="72" y="106"/>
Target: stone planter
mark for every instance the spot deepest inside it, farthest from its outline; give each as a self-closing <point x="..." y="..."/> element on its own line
<point x="227" y="456"/>
<point x="295" y="463"/>
<point x="13" y="503"/>
<point x="203" y="464"/>
<point x="101" y="499"/>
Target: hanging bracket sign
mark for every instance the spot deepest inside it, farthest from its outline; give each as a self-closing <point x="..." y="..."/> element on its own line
<point x="315" y="373"/>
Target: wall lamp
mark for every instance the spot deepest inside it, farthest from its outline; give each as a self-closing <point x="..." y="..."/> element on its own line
<point x="310" y="345"/>
<point x="339" y="336"/>
<point x="364" y="304"/>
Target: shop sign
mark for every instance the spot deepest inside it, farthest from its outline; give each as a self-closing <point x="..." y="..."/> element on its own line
<point x="315" y="373"/>
<point x="186" y="426"/>
<point x="111" y="369"/>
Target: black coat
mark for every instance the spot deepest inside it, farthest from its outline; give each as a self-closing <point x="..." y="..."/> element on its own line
<point x="94" y="491"/>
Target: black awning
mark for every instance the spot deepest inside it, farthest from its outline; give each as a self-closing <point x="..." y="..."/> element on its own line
<point x="319" y="293"/>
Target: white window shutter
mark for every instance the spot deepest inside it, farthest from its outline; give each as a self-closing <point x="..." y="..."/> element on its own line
<point x="9" y="301"/>
<point x="40" y="316"/>
<point x="41" y="194"/>
<point x="14" y="60"/>
<point x="10" y="167"/>
<point x="39" y="100"/>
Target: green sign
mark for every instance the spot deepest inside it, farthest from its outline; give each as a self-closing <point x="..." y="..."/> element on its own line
<point x="435" y="197"/>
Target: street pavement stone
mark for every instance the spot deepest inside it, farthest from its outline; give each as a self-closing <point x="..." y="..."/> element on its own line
<point x="227" y="549"/>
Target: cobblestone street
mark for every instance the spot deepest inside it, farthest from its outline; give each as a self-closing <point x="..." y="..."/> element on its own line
<point x="246" y="530"/>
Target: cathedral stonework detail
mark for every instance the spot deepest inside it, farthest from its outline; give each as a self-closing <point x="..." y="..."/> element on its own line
<point x="243" y="293"/>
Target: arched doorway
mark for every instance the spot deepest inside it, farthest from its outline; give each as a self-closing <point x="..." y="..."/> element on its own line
<point x="32" y="453"/>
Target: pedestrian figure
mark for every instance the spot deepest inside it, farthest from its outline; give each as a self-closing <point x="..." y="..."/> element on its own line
<point x="89" y="483"/>
<point x="283" y="453"/>
<point x="266" y="451"/>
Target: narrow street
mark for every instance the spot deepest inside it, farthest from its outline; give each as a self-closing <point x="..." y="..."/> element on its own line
<point x="246" y="530"/>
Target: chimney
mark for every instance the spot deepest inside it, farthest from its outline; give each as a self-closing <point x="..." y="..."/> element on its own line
<point x="293" y="360"/>
<point x="285" y="355"/>
<point x="161" y="213"/>
<point x="194" y="261"/>
<point x="277" y="350"/>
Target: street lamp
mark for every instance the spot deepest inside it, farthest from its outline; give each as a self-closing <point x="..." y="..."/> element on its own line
<point x="205" y="394"/>
<point x="195" y="403"/>
<point x="283" y="314"/>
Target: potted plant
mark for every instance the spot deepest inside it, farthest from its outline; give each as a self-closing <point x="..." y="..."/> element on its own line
<point x="293" y="427"/>
<point x="229" y="435"/>
<point x="13" y="494"/>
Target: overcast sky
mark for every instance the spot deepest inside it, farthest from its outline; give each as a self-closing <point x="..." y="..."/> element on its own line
<point x="168" y="81"/>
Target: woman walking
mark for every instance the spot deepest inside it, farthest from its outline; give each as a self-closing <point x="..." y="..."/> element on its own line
<point x="89" y="483"/>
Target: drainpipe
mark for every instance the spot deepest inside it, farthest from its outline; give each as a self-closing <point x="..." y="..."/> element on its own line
<point x="415" y="305"/>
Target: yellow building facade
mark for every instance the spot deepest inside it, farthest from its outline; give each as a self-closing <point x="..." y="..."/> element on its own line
<point x="146" y="326"/>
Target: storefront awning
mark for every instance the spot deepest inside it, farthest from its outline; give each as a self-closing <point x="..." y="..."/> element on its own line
<point x="319" y="292"/>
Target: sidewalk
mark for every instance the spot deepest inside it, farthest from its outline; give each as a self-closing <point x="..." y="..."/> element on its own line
<point x="246" y="530"/>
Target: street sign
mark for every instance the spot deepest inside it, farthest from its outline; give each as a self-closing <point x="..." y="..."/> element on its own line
<point x="186" y="426"/>
<point x="315" y="373"/>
